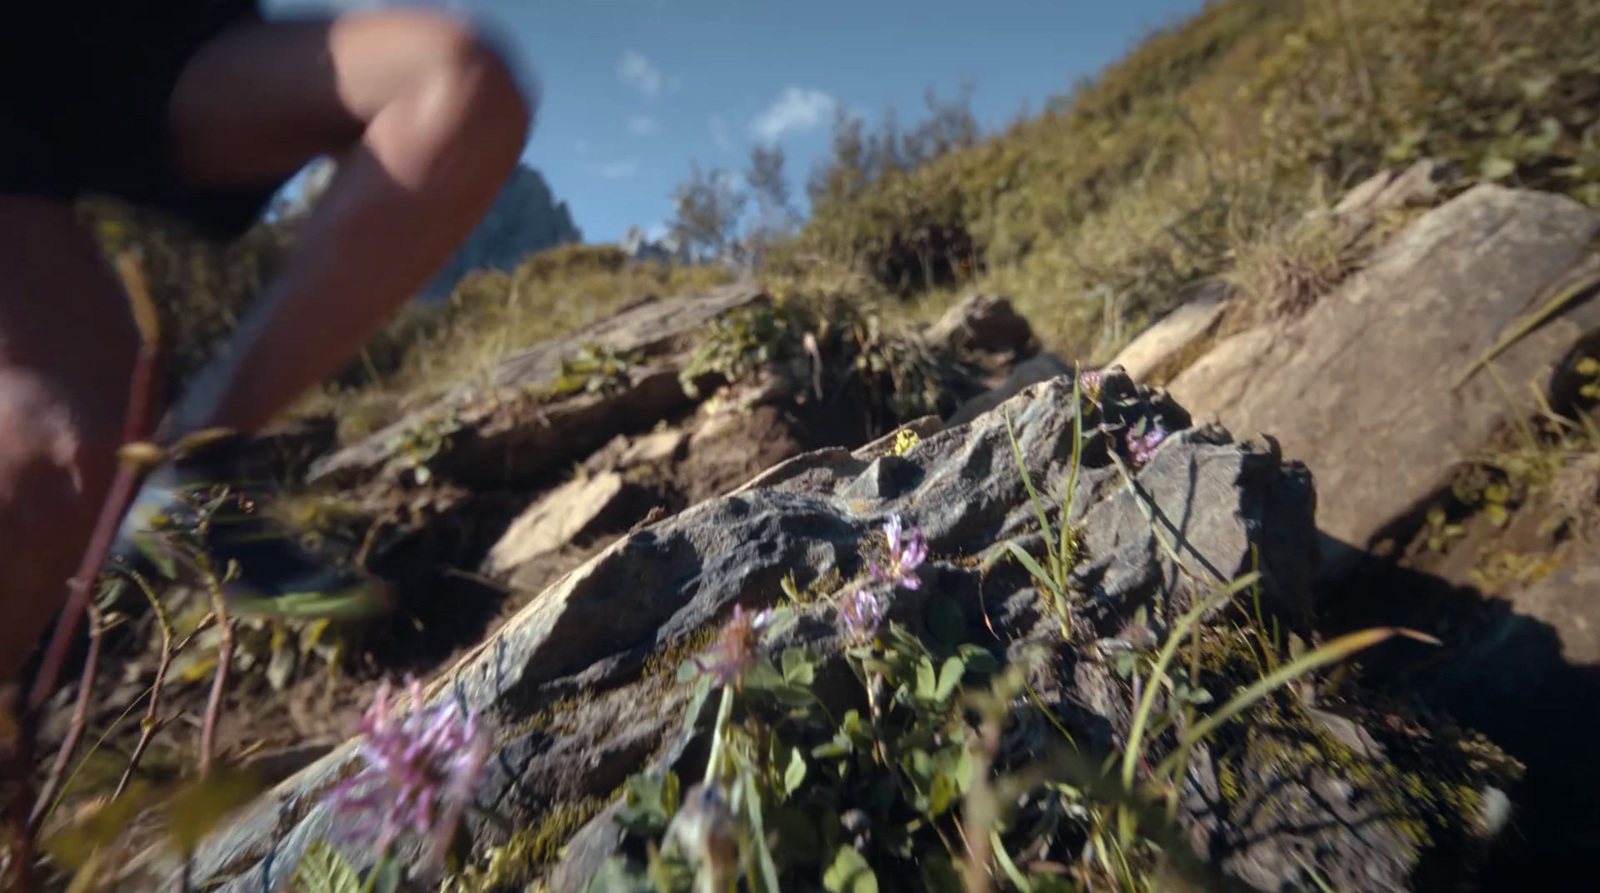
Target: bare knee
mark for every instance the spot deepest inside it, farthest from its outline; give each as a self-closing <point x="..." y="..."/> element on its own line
<point x="468" y="90"/>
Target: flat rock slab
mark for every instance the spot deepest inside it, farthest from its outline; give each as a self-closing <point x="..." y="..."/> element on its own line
<point x="467" y="433"/>
<point x="557" y="518"/>
<point x="1172" y="335"/>
<point x="1359" y="388"/>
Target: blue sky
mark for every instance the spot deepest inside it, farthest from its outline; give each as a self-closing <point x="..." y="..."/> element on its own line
<point x="633" y="90"/>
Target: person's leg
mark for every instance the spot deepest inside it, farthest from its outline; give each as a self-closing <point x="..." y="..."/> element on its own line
<point x="67" y="346"/>
<point x="427" y="122"/>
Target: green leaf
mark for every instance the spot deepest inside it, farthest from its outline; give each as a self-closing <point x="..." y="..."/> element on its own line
<point x="795" y="774"/>
<point x="919" y="766"/>
<point x="1124" y="663"/>
<point x="949" y="678"/>
<point x="793" y="695"/>
<point x="798" y="667"/>
<point x="978" y="660"/>
<point x="849" y="873"/>
<point x="963" y="770"/>
<point x="323" y="869"/>
<point x="941" y="794"/>
<point x="702" y="690"/>
<point x="763" y="676"/>
<point x="927" y="682"/>
<point x="1496" y="168"/>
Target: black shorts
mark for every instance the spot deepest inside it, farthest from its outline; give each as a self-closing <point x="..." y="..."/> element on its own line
<point x="84" y="95"/>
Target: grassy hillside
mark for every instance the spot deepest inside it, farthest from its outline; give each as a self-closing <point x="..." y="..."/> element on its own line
<point x="1197" y="145"/>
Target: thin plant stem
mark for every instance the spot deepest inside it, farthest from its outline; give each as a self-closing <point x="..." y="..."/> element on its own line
<point x="719" y="732"/>
<point x="151" y="722"/>
<point x="80" y="715"/>
<point x="219" y="682"/>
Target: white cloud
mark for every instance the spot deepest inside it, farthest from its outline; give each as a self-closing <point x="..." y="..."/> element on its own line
<point x="618" y="170"/>
<point x="719" y="133"/>
<point x="637" y="72"/>
<point x="641" y="125"/>
<point x="796" y="110"/>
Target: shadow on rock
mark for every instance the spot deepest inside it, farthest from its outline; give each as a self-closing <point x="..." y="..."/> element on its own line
<point x="1499" y="673"/>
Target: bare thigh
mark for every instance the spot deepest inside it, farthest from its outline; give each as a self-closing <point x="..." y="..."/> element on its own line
<point x="67" y="343"/>
<point x="263" y="98"/>
<point x="63" y="314"/>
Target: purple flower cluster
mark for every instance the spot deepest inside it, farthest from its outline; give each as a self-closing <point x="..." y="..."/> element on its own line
<point x="1089" y="381"/>
<point x="905" y="554"/>
<point x="420" y="771"/>
<point x="738" y="647"/>
<point x="861" y="611"/>
<point x="1142" y="446"/>
<point x="860" y="614"/>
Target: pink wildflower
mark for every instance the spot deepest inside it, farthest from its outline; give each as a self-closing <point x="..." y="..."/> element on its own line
<point x="737" y="648"/>
<point x="860" y="614"/>
<point x="904" y="557"/>
<point x="1142" y="447"/>
<point x="421" y="771"/>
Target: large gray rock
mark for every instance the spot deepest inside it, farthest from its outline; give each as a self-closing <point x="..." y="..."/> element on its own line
<point x="1359" y="388"/>
<point x="563" y="682"/>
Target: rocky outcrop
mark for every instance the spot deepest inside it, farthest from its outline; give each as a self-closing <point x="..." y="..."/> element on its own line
<point x="550" y="404"/>
<point x="1361" y="386"/>
<point x="563" y="682"/>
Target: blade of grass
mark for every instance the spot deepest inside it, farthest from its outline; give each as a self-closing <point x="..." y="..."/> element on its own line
<point x="1031" y="564"/>
<point x="1336" y="650"/>
<point x="1033" y="495"/>
<point x="1068" y="502"/>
